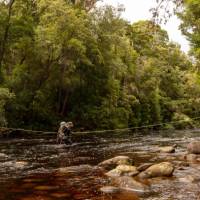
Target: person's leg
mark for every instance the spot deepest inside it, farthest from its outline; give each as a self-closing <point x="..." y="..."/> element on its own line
<point x="67" y="140"/>
<point x="70" y="139"/>
<point x="57" y="139"/>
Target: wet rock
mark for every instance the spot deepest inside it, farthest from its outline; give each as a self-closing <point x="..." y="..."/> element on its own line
<point x="73" y="169"/>
<point x="15" y="164"/>
<point x="170" y="158"/>
<point x="127" y="170"/>
<point x="3" y="155"/>
<point x="122" y="170"/>
<point x="194" y="147"/>
<point x="181" y="168"/>
<point x="109" y="189"/>
<point x="143" y="167"/>
<point x="32" y="180"/>
<point x="168" y="149"/>
<point x="130" y="184"/>
<point x="189" y="179"/>
<point x="191" y="157"/>
<point x="60" y="195"/>
<point x="182" y="165"/>
<point x="81" y="159"/>
<point x="21" y="164"/>
<point x="113" y="162"/>
<point x="34" y="197"/>
<point x="45" y="187"/>
<point x="158" y="170"/>
<point x="114" y="173"/>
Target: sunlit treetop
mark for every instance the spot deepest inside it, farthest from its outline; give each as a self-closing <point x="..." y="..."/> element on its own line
<point x="87" y="4"/>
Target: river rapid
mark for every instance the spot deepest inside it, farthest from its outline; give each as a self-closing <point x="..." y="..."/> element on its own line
<point x="31" y="168"/>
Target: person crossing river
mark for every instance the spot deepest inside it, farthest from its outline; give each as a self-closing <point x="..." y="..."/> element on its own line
<point x="64" y="133"/>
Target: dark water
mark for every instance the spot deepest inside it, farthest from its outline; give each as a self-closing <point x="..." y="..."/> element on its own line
<point x="35" y="169"/>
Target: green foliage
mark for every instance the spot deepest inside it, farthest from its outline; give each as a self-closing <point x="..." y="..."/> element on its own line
<point x="94" y="68"/>
<point x="182" y="121"/>
<point x="190" y="24"/>
<point x="5" y="97"/>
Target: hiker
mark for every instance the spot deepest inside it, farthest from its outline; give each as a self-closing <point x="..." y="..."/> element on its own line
<point x="64" y="133"/>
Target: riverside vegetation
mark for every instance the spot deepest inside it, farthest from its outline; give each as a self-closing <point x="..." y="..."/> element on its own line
<point x="65" y="59"/>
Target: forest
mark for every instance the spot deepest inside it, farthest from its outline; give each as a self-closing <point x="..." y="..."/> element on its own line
<point x="72" y="61"/>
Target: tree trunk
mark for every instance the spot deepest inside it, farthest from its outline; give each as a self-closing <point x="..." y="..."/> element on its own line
<point x="60" y="93"/>
<point x="64" y="104"/>
<point x="5" y="37"/>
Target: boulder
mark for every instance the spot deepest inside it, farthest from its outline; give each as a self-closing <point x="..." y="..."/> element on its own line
<point x="194" y="147"/>
<point x="122" y="170"/>
<point x="143" y="167"/>
<point x="113" y="162"/>
<point x="130" y="184"/>
<point x="168" y="149"/>
<point x="158" y="170"/>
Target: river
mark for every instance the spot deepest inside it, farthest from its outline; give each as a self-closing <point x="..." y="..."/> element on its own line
<point x="30" y="166"/>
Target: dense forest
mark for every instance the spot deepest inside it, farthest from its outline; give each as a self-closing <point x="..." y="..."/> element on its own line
<point x="68" y="60"/>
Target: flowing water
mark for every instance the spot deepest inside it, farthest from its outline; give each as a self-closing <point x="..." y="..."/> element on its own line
<point x="34" y="168"/>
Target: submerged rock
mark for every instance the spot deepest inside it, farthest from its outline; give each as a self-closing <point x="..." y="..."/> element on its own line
<point x="182" y="165"/>
<point x="3" y="155"/>
<point x="113" y="162"/>
<point x="191" y="157"/>
<point x="189" y="179"/>
<point x="158" y="170"/>
<point x="194" y="147"/>
<point x="168" y="149"/>
<point x="45" y="187"/>
<point x="21" y="164"/>
<point x="122" y="170"/>
<point x="60" y="195"/>
<point x="109" y="189"/>
<point x="130" y="184"/>
<point x="72" y="169"/>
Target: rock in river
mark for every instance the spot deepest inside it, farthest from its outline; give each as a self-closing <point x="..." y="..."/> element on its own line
<point x="168" y="149"/>
<point x="191" y="157"/>
<point x="194" y="147"/>
<point x="3" y="155"/>
<point x="158" y="170"/>
<point x="122" y="170"/>
<point x="129" y="183"/>
<point x="109" y="189"/>
<point x="113" y="162"/>
<point x="190" y="179"/>
<point x="73" y="169"/>
<point x="144" y="166"/>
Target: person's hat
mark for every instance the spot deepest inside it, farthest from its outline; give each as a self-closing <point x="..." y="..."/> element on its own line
<point x="62" y="123"/>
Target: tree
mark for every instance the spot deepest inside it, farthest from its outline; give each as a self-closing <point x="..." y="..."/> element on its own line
<point x="5" y="97"/>
<point x="190" y="25"/>
<point x="63" y="61"/>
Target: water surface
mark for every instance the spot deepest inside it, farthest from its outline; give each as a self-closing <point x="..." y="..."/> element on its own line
<point x="31" y="168"/>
